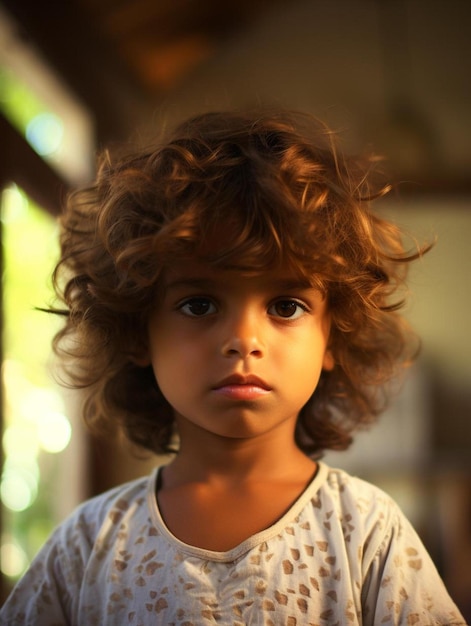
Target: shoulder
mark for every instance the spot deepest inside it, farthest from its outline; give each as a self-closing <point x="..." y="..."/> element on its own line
<point x="115" y="503"/>
<point x="51" y="586"/>
<point x="87" y="521"/>
<point x="348" y="493"/>
<point x="365" y="515"/>
<point x="386" y="557"/>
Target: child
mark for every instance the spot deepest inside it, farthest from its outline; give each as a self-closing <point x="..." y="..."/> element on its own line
<point x="231" y="290"/>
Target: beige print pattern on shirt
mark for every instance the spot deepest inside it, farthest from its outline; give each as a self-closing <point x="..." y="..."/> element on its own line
<point x="343" y="555"/>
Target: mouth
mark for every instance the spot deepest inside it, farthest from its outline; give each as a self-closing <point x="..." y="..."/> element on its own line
<point x="241" y="380"/>
<point x="240" y="387"/>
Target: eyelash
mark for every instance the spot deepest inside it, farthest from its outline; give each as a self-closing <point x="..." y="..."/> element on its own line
<point x="208" y="303"/>
<point x="299" y="306"/>
<point x="192" y="301"/>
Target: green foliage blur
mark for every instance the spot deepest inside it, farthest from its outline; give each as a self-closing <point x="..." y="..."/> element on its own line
<point x="31" y="396"/>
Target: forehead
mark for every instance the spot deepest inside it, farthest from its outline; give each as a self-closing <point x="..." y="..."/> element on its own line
<point x="197" y="273"/>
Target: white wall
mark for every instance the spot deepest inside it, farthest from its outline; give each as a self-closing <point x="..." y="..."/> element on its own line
<point x="440" y="304"/>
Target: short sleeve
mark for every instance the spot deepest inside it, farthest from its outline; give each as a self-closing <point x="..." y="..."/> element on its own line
<point x="402" y="585"/>
<point x="48" y="593"/>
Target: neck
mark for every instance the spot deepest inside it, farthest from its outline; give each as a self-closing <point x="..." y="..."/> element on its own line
<point x="206" y="457"/>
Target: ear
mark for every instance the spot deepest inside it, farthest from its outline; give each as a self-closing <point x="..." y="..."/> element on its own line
<point x="140" y="356"/>
<point x="141" y="360"/>
<point x="328" y="362"/>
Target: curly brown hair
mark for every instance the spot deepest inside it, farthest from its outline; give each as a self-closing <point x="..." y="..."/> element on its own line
<point x="277" y="187"/>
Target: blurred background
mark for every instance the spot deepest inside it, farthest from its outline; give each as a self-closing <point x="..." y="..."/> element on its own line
<point x="79" y="75"/>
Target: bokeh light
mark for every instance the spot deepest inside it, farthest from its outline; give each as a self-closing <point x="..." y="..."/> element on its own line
<point x="18" y="487"/>
<point x="20" y="442"/>
<point x="14" y="204"/>
<point x="13" y="559"/>
<point x="45" y="133"/>
<point x="54" y="432"/>
<point x="36" y="427"/>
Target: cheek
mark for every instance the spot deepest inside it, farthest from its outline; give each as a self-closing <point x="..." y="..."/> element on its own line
<point x="175" y="360"/>
<point x="170" y="379"/>
<point x="311" y="357"/>
<point x="302" y="366"/>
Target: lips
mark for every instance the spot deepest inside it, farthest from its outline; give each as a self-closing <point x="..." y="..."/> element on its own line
<point x="241" y="380"/>
<point x="240" y="387"/>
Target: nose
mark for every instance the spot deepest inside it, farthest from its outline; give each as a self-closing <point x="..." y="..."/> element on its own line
<point x="243" y="336"/>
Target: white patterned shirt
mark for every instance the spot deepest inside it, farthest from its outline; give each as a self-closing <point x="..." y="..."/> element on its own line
<point x="343" y="554"/>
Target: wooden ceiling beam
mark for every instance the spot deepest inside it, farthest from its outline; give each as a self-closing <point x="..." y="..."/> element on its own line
<point x="21" y="165"/>
<point x="77" y="53"/>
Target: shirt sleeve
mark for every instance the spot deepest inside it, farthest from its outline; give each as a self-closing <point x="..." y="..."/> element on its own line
<point x="402" y="586"/>
<point x="48" y="593"/>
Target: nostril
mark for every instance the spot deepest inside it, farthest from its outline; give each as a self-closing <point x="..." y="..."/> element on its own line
<point x="242" y="349"/>
<point x="256" y="352"/>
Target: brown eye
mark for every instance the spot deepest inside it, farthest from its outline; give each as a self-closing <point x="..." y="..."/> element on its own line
<point x="197" y="307"/>
<point x="287" y="309"/>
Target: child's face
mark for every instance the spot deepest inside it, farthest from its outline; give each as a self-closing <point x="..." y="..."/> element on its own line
<point x="237" y="355"/>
